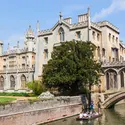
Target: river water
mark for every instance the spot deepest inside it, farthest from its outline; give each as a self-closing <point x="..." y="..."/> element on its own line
<point x="114" y="116"/>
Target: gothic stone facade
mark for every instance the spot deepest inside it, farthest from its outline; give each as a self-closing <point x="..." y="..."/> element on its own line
<point x="103" y="34"/>
<point x="17" y="65"/>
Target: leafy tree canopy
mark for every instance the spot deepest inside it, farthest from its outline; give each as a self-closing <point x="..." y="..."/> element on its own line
<point x="72" y="66"/>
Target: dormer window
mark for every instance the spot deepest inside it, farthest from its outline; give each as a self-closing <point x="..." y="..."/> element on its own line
<point x="61" y="34"/>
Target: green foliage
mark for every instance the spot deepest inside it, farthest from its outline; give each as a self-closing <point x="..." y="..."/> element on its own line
<point x="36" y="86"/>
<point x="14" y="94"/>
<point x="5" y="101"/>
<point x="72" y="66"/>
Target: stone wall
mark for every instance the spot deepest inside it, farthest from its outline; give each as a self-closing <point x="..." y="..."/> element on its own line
<point x="26" y="113"/>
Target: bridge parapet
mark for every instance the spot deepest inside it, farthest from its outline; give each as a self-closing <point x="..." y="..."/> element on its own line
<point x="112" y="92"/>
<point x="113" y="99"/>
<point x="113" y="64"/>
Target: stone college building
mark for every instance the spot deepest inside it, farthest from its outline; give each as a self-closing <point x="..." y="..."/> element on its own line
<point x="18" y="66"/>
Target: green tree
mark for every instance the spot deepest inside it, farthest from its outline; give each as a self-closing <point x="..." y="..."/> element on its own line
<point x="71" y="67"/>
<point x="36" y="86"/>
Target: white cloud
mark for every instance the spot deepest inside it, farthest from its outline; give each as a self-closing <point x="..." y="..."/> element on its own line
<point x="116" y="5"/>
<point x="13" y="40"/>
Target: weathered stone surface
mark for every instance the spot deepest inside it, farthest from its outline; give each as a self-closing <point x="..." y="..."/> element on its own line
<point x="46" y="95"/>
<point x="26" y="113"/>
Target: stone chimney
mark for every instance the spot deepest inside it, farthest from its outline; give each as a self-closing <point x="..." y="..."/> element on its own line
<point x="68" y="20"/>
<point x="82" y="18"/>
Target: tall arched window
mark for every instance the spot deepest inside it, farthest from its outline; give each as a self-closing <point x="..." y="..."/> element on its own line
<point x="23" y="81"/>
<point x="61" y="34"/>
<point x="12" y="82"/>
<point x="1" y="82"/>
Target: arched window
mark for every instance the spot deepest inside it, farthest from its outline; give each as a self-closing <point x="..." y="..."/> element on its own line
<point x="1" y="82"/>
<point x="61" y="34"/>
<point x="23" y="81"/>
<point x="12" y="82"/>
<point x="98" y="51"/>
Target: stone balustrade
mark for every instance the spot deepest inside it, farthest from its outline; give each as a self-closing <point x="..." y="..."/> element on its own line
<point x="114" y="64"/>
<point x="17" y="70"/>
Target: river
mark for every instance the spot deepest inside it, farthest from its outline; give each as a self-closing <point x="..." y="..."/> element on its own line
<point x="114" y="116"/>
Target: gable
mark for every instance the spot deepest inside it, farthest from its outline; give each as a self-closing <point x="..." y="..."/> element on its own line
<point x="62" y="23"/>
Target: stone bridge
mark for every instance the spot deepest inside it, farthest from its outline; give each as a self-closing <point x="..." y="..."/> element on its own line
<point x="113" y="99"/>
<point x="114" y="83"/>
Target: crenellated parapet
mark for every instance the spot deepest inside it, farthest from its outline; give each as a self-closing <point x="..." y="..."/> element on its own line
<point x="15" y="51"/>
<point x="45" y="32"/>
<point x="95" y="26"/>
<point x="110" y="25"/>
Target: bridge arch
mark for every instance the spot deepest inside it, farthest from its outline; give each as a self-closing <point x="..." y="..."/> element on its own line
<point x="121" y="69"/>
<point x="111" y="78"/>
<point x="111" y="69"/>
<point x="111" y="101"/>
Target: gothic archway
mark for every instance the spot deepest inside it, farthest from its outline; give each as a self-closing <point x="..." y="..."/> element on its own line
<point x="1" y="82"/>
<point x="122" y="79"/>
<point x="12" y="82"/>
<point x="23" y="81"/>
<point x="111" y="79"/>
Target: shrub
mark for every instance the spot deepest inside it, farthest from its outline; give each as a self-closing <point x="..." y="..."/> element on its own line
<point x="14" y="94"/>
<point x="36" y="86"/>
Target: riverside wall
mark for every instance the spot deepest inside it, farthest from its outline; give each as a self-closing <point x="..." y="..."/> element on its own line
<point x="33" y="113"/>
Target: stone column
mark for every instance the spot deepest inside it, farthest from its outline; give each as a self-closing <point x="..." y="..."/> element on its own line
<point x="105" y="83"/>
<point x="118" y="81"/>
<point x="17" y="86"/>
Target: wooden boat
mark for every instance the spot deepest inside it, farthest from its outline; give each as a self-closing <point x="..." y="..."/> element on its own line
<point x="89" y="118"/>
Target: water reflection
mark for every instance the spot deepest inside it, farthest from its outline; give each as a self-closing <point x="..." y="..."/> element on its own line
<point x="114" y="116"/>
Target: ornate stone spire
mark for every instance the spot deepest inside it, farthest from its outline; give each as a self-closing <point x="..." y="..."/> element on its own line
<point x="60" y="16"/>
<point x="8" y="46"/>
<point x="30" y="33"/>
<point x="38" y="26"/>
<point x="18" y="44"/>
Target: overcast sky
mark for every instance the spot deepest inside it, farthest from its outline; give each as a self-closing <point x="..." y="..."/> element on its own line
<point x="17" y="15"/>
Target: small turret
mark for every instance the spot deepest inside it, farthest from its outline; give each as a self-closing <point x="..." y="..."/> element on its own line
<point x="30" y="39"/>
<point x="30" y="34"/>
